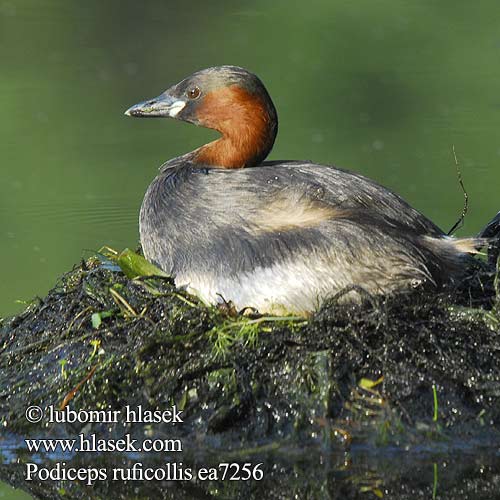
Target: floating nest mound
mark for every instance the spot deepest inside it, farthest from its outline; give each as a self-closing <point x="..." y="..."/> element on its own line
<point x="415" y="368"/>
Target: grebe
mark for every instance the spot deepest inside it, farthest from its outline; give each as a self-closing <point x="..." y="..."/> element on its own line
<point x="277" y="235"/>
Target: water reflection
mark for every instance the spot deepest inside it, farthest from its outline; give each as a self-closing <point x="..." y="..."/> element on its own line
<point x="355" y="475"/>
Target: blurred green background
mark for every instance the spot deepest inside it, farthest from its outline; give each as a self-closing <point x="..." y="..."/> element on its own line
<point x="385" y="88"/>
<point x="9" y="493"/>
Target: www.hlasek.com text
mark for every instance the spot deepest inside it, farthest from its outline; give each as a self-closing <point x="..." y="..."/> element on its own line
<point x="93" y="444"/>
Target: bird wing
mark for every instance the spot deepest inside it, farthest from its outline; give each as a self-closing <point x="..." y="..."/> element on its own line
<point x="342" y="190"/>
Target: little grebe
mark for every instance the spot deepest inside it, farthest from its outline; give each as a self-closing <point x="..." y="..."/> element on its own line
<point x="277" y="235"/>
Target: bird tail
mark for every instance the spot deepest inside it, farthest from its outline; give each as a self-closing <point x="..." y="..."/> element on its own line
<point x="491" y="232"/>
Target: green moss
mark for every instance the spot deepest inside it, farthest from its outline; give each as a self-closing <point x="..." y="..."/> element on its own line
<point x="102" y="340"/>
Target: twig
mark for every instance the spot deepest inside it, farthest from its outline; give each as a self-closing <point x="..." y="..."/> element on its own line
<point x="71" y="394"/>
<point x="460" y="221"/>
<point x="121" y="301"/>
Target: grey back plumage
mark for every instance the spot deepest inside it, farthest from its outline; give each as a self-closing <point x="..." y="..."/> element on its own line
<point x="219" y="226"/>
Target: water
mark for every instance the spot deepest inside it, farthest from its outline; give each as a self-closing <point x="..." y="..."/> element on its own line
<point x="384" y="88"/>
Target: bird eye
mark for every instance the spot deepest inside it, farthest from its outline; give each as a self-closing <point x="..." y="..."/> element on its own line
<point x="194" y="92"/>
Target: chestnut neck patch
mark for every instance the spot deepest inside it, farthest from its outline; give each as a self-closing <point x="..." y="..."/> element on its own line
<point x="247" y="123"/>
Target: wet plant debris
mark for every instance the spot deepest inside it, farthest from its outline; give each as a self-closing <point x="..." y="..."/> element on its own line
<point x="115" y="331"/>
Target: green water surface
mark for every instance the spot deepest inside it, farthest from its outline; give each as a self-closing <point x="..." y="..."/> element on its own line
<point x="385" y="88"/>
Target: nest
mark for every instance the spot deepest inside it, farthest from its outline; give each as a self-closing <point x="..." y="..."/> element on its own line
<point x="411" y="369"/>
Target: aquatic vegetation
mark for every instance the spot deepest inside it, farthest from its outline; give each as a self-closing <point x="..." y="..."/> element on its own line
<point x="116" y="331"/>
